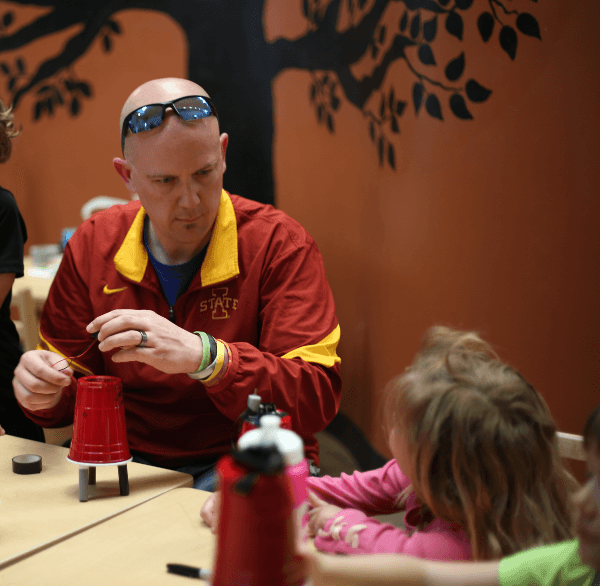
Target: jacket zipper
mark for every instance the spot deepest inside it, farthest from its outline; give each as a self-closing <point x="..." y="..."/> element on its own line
<point x="172" y="314"/>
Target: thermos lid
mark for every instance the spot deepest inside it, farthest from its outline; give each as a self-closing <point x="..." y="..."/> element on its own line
<point x="288" y="443"/>
<point x="254" y="402"/>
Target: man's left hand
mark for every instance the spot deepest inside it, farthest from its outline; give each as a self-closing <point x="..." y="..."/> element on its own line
<point x="169" y="348"/>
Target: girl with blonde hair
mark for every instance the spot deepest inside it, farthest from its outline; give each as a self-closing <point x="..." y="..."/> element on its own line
<point x="476" y="464"/>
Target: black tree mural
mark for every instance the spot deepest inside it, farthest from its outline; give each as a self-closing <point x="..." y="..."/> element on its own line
<point x="231" y="58"/>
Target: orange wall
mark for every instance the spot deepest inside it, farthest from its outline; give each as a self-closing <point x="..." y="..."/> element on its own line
<point x="487" y="224"/>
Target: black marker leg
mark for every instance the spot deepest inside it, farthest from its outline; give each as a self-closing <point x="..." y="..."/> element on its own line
<point x="83" y="483"/>
<point x="123" y="480"/>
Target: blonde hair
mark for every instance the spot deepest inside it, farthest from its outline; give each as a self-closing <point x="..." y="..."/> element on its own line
<point x="484" y="446"/>
<point x="7" y="131"/>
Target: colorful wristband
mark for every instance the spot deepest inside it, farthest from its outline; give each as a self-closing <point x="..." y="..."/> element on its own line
<point x="205" y="351"/>
<point x="221" y="356"/>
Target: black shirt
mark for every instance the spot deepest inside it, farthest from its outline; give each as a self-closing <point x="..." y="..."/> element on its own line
<point x="13" y="235"/>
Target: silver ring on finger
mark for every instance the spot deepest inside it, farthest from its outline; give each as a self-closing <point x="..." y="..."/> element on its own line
<point x="144" y="340"/>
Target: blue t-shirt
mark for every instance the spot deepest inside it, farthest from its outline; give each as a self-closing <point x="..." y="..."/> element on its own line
<point x="174" y="279"/>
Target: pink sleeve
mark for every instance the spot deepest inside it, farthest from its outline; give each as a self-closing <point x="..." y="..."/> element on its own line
<point x="352" y="532"/>
<point x="373" y="492"/>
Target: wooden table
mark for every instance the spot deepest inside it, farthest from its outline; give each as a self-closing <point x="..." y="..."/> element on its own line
<point x="39" y="286"/>
<point x="132" y="548"/>
<point x="40" y="510"/>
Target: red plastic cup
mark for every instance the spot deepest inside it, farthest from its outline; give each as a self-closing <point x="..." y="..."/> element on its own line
<point x="99" y="430"/>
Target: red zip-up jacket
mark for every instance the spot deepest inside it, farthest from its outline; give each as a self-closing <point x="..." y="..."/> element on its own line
<point x="261" y="288"/>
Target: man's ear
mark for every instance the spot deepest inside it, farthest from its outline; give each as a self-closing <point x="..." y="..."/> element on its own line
<point x="224" y="140"/>
<point x="124" y="170"/>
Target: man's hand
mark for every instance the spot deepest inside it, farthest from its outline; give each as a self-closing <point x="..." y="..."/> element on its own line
<point x="319" y="513"/>
<point x="210" y="511"/>
<point x="38" y="385"/>
<point x="169" y="348"/>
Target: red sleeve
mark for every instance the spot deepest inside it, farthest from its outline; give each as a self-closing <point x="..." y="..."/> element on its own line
<point x="295" y="365"/>
<point x="66" y="314"/>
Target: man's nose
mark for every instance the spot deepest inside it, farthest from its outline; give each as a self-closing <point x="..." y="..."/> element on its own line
<point x="189" y="198"/>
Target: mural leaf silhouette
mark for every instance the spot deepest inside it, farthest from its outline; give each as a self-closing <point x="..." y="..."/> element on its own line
<point x="426" y="55"/>
<point x="455" y="68"/>
<point x="415" y="26"/>
<point x="391" y="156"/>
<point x="485" y="24"/>
<point x="476" y="92"/>
<point x="459" y="107"/>
<point x="528" y="25"/>
<point x="454" y="24"/>
<point x="417" y="96"/>
<point x="430" y="29"/>
<point x="508" y="41"/>
<point x="433" y="107"/>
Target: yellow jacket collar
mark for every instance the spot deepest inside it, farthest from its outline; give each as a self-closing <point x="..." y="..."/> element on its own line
<point x="220" y="262"/>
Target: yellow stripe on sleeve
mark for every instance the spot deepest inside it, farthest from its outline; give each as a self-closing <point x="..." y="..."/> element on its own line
<point x="323" y="353"/>
<point x="74" y="365"/>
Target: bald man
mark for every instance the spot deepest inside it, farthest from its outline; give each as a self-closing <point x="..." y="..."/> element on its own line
<point x="200" y="297"/>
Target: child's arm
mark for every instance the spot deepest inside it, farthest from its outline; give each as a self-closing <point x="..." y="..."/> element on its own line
<point x="373" y="492"/>
<point x="352" y="532"/>
<point x="397" y="569"/>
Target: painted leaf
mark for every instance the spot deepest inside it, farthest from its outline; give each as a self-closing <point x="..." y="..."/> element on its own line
<point x="455" y="68"/>
<point x="20" y="65"/>
<point x="330" y="122"/>
<point x="391" y="99"/>
<point x="404" y="21"/>
<point x="7" y="19"/>
<point x="313" y="92"/>
<point x="432" y="105"/>
<point x="528" y="25"/>
<point x="382" y="107"/>
<point x="430" y="29"/>
<point x="381" y="147"/>
<point x="485" y="24"/>
<point x="508" y="41"/>
<point x="400" y="106"/>
<point x="107" y="43"/>
<point x="394" y="125"/>
<point x="74" y="106"/>
<point x="418" y="91"/>
<point x="382" y="34"/>
<point x="85" y="89"/>
<point x="463" y="4"/>
<point x="476" y="92"/>
<point x="372" y="131"/>
<point x="335" y="102"/>
<point x="114" y="25"/>
<point x="391" y="156"/>
<point x="415" y="26"/>
<point x="454" y="24"/>
<point x="426" y="55"/>
<point x="5" y="68"/>
<point x="459" y="108"/>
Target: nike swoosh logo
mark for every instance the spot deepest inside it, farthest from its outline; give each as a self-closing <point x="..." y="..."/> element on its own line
<point x="109" y="291"/>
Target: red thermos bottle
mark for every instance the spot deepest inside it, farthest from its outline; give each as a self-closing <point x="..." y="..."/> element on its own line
<point x="256" y="540"/>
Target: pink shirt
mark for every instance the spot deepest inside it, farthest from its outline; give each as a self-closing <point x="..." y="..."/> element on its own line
<point x="352" y="531"/>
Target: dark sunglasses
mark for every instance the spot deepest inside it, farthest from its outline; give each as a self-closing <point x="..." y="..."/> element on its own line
<point x="150" y="116"/>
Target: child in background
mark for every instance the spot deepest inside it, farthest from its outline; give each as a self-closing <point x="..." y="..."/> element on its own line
<point x="572" y="562"/>
<point x="476" y="464"/>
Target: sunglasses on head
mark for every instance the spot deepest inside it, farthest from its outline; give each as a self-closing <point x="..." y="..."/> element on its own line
<point x="150" y="116"/>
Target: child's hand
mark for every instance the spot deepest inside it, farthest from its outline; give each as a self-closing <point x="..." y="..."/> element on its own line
<point x="319" y="513"/>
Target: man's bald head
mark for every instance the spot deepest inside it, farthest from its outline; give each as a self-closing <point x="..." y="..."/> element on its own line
<point x="159" y="90"/>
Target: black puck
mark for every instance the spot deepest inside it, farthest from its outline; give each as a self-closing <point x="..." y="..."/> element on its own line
<point x="27" y="464"/>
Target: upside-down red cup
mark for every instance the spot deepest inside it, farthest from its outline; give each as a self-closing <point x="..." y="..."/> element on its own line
<point x="99" y="431"/>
